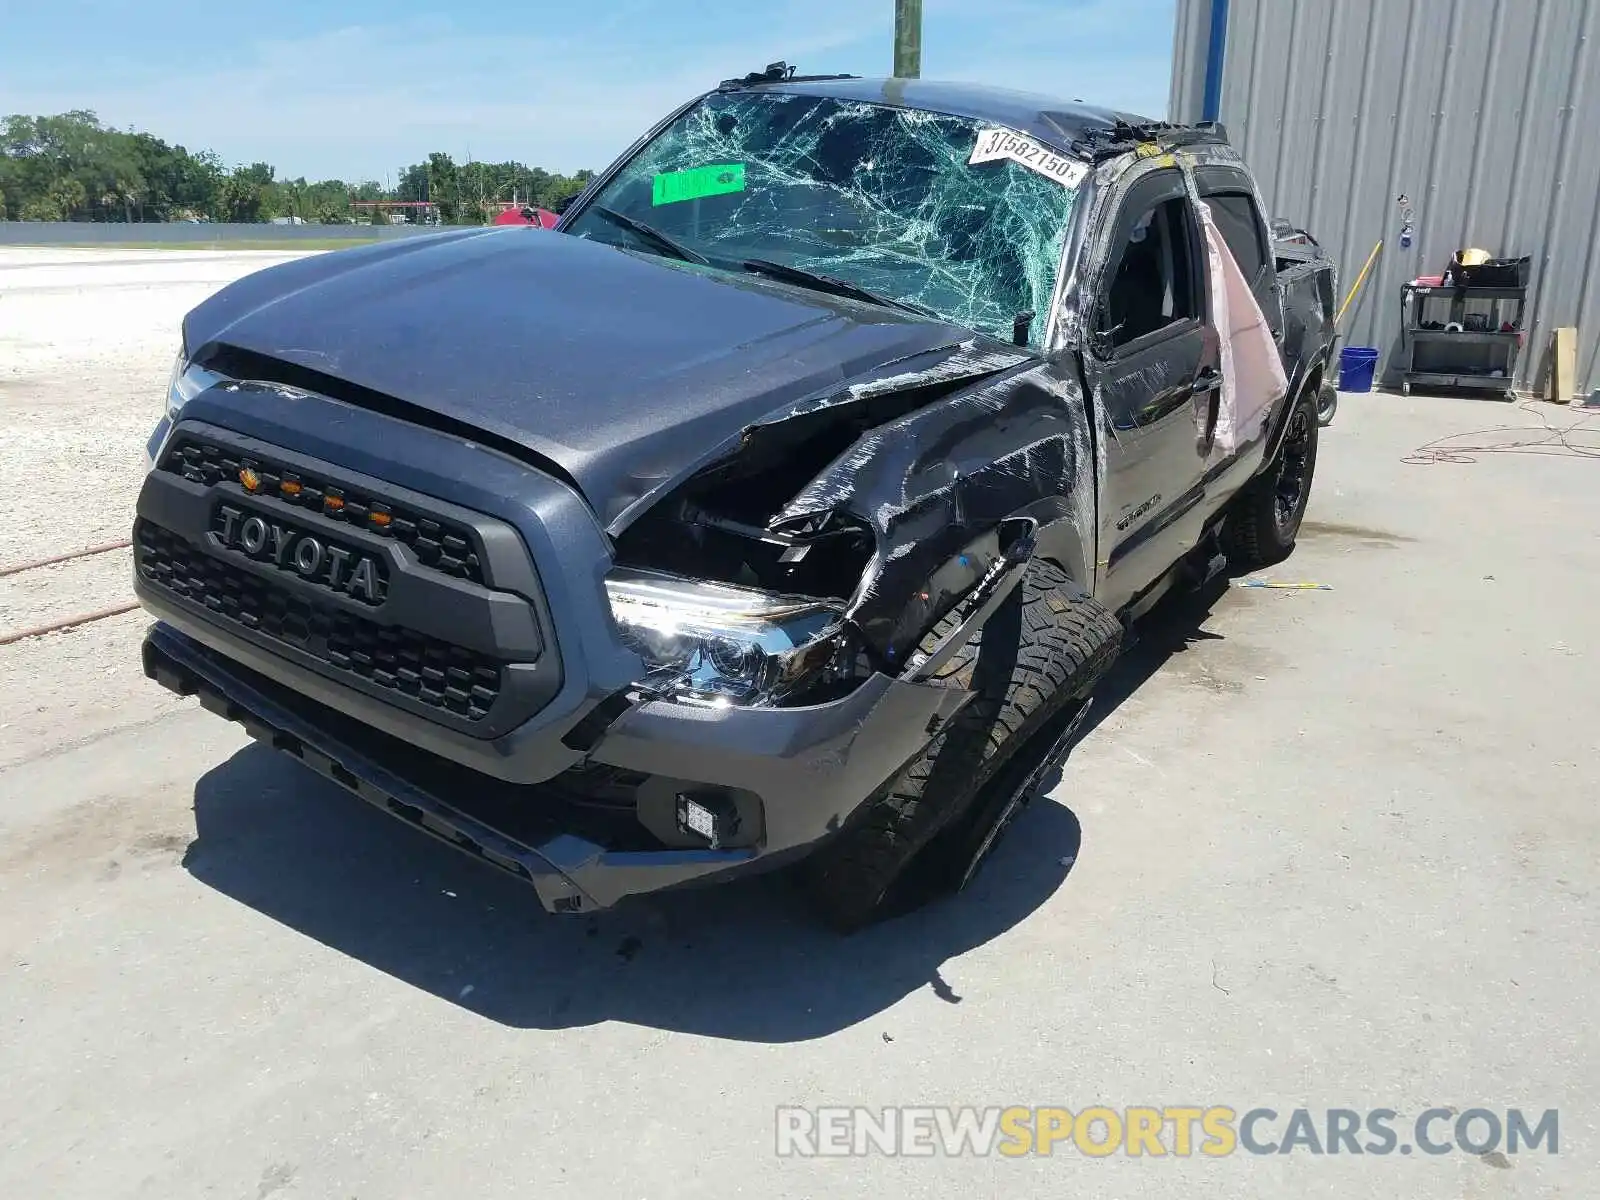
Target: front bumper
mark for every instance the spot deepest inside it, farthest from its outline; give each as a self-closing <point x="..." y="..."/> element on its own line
<point x="569" y="778"/>
<point x="808" y="769"/>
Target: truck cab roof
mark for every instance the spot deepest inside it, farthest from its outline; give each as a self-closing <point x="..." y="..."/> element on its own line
<point x="1082" y="130"/>
<point x="1051" y="120"/>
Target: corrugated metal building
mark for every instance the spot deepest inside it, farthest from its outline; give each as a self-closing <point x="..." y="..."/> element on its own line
<point x="1484" y="114"/>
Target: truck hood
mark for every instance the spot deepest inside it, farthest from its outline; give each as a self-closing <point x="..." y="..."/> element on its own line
<point x="625" y="370"/>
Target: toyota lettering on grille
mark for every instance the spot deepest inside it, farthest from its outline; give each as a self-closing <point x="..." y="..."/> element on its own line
<point x="290" y="549"/>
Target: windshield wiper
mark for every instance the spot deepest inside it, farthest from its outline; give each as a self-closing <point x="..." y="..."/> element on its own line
<point x="831" y="284"/>
<point x="651" y="234"/>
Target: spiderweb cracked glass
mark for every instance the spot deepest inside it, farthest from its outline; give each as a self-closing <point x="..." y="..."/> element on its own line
<point x="879" y="196"/>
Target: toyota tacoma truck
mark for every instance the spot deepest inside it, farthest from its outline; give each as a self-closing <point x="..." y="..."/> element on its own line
<point x="783" y="506"/>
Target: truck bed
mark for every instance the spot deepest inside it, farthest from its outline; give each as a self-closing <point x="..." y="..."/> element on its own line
<point x="1307" y="283"/>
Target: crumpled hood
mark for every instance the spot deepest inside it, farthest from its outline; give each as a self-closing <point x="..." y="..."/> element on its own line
<point x="623" y="369"/>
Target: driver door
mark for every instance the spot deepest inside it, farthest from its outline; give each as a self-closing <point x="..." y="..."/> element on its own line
<point x="1154" y="363"/>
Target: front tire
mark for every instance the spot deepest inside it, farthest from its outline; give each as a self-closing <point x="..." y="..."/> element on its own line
<point x="1033" y="664"/>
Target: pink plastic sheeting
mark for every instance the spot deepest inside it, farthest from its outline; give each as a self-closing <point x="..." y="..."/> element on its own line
<point x="1252" y="371"/>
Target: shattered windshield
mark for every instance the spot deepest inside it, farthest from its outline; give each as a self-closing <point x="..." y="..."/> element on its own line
<point x="882" y="198"/>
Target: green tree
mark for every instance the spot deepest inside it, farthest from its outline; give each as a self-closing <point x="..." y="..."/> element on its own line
<point x="246" y="193"/>
<point x="412" y="185"/>
<point x="70" y="166"/>
<point x="60" y="199"/>
<point x="67" y="164"/>
<point x="176" y="183"/>
<point x="444" y="186"/>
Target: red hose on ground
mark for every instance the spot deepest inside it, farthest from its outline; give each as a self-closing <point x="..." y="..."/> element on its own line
<point x="81" y="619"/>
<point x="61" y="558"/>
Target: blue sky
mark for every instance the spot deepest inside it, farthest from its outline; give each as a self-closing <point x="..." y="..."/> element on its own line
<point x="359" y="88"/>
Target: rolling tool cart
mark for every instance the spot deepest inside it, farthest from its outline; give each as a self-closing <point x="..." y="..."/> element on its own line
<point x="1465" y="328"/>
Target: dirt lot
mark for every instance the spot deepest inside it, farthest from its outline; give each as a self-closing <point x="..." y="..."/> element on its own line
<point x="87" y="338"/>
<point x="1334" y="848"/>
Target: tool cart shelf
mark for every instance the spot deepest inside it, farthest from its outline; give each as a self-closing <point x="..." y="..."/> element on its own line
<point x="1460" y="336"/>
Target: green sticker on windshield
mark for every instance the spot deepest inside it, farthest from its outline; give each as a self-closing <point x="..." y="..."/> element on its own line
<point x="670" y="187"/>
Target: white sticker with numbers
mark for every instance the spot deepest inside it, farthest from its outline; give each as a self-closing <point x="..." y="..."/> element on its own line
<point x="996" y="144"/>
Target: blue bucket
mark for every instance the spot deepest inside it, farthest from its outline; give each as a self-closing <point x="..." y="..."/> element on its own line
<point x="1357" y="364"/>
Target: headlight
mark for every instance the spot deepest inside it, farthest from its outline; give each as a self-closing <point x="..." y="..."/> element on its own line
<point x="187" y="382"/>
<point x="715" y="644"/>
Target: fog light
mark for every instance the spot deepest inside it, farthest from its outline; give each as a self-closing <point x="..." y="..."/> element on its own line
<point x="711" y="817"/>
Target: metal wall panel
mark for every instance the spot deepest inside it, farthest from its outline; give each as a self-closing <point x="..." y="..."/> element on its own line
<point x="1189" y="35"/>
<point x="1484" y="113"/>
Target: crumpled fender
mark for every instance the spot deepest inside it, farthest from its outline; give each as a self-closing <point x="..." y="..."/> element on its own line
<point x="934" y="485"/>
<point x="891" y="389"/>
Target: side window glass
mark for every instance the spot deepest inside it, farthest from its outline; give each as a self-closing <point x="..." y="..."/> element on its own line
<point x="1153" y="286"/>
<point x="1235" y="216"/>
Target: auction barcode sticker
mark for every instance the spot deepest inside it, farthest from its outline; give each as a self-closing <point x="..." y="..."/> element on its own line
<point x="996" y="144"/>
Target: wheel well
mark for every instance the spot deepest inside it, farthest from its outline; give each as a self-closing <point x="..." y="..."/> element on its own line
<point x="1280" y="423"/>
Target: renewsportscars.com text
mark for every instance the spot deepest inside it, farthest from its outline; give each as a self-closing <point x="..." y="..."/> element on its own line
<point x="1178" y="1131"/>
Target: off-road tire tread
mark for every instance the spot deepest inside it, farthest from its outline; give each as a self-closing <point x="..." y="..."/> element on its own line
<point x="1067" y="642"/>
<point x="1244" y="530"/>
<point x="1251" y="534"/>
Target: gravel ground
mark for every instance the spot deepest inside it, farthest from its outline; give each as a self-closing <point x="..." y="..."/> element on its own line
<point x="87" y="339"/>
<point x="1319" y="848"/>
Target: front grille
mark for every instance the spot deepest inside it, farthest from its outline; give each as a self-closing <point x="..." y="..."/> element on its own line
<point x="438" y="545"/>
<point x="436" y="673"/>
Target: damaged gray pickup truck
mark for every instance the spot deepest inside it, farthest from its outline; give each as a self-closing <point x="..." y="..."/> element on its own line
<point x="784" y="505"/>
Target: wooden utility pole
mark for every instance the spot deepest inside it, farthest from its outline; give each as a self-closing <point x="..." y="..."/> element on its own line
<point x="908" y="39"/>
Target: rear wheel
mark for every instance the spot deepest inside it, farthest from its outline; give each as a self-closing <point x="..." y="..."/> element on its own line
<point x="1032" y="667"/>
<point x="1267" y="514"/>
<point x="1327" y="403"/>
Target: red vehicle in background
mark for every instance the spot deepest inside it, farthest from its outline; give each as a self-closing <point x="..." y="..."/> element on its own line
<point x="526" y="215"/>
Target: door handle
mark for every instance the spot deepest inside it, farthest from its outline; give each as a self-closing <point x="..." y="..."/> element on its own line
<point x="1208" y="379"/>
